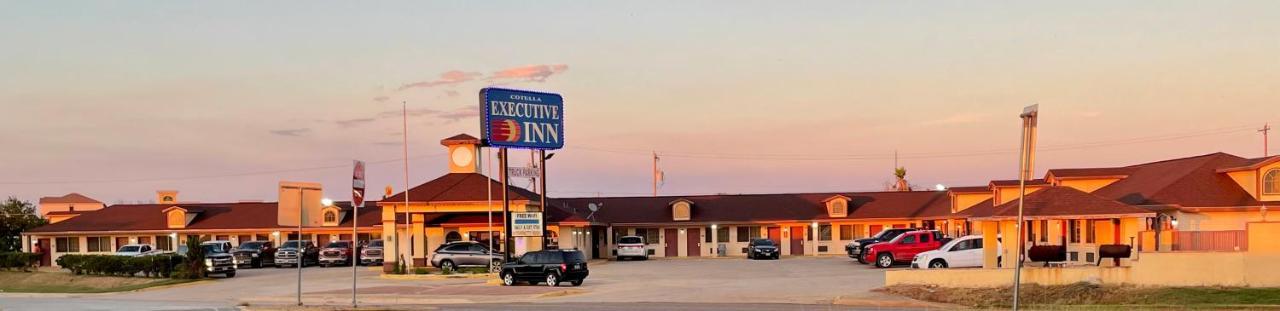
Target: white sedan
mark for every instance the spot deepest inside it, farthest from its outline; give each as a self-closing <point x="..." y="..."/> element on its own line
<point x="965" y="252"/>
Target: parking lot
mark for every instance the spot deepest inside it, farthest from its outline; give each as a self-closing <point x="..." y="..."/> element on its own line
<point x="802" y="280"/>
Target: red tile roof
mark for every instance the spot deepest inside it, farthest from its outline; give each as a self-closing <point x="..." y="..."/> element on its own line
<point x="1062" y="202"/>
<point x="1192" y="181"/>
<point x="971" y="189"/>
<point x="69" y="198"/>
<point x="1251" y="164"/>
<point x="461" y="187"/>
<point x="460" y="139"/>
<point x="138" y="217"/>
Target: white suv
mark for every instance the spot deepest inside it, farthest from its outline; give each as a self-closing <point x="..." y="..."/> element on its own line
<point x="632" y="247"/>
<point x="965" y="252"/>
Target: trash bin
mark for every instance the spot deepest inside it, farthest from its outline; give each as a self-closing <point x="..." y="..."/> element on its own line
<point x="721" y="250"/>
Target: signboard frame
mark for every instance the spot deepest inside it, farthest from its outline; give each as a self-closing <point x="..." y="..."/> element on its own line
<point x="515" y="112"/>
<point x="526" y="224"/>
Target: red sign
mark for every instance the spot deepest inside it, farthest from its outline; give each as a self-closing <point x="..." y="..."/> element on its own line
<point x="357" y="185"/>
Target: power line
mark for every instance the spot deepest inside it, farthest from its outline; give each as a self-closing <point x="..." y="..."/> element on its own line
<point x="241" y="174"/>
<point x="923" y="155"/>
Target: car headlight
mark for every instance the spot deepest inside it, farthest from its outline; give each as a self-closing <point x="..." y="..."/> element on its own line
<point x="255" y="255"/>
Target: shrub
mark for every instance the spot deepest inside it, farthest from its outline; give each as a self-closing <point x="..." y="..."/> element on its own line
<point x="421" y="270"/>
<point x="20" y="261"/>
<point x="148" y="266"/>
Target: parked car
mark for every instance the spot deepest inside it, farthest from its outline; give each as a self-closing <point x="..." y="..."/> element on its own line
<point x="255" y="254"/>
<point x="218" y="258"/>
<point x="294" y="252"/>
<point x="762" y="248"/>
<point x="857" y="247"/>
<point x="337" y="253"/>
<point x="903" y="248"/>
<point x="465" y="254"/>
<point x="372" y="253"/>
<point x="550" y="266"/>
<point x="632" y="247"/>
<point x="965" y="252"/>
<point x="133" y="250"/>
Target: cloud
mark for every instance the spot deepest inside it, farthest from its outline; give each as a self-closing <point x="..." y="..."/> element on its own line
<point x="354" y="122"/>
<point x="537" y="73"/>
<point x="961" y="118"/>
<point x="291" y="132"/>
<point x="381" y="98"/>
<point x="451" y="93"/>
<point x="459" y="114"/>
<point x="447" y="78"/>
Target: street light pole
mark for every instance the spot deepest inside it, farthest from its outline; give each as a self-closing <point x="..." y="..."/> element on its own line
<point x="1029" y="115"/>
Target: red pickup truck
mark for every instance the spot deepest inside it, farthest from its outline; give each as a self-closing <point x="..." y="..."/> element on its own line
<point x="903" y="248"/>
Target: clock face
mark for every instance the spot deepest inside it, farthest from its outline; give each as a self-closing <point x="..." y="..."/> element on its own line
<point x="463" y="156"/>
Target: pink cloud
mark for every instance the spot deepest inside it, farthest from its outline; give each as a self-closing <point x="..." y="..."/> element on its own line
<point x="447" y="78"/>
<point x="459" y="114"/>
<point x="381" y="98"/>
<point x="537" y="73"/>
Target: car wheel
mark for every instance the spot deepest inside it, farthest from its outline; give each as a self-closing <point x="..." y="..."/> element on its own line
<point x="860" y="260"/>
<point x="937" y="264"/>
<point x="776" y="257"/>
<point x="231" y="274"/>
<point x="884" y="260"/>
<point x="446" y="265"/>
<point x="495" y="266"/>
<point x="553" y="280"/>
<point x="577" y="283"/>
<point x="508" y="279"/>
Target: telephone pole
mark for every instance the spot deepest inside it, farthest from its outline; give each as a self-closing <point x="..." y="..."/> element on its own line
<point x="1266" y="129"/>
<point x="655" y="173"/>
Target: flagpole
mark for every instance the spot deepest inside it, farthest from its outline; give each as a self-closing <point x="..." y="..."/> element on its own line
<point x="408" y="220"/>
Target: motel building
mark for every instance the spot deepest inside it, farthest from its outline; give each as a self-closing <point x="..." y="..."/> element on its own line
<point x="1168" y="212"/>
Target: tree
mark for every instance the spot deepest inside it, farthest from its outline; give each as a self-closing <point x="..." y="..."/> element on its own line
<point x="901" y="184"/>
<point x="16" y="217"/>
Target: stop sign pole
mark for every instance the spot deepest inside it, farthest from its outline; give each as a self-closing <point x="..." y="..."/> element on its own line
<point x="357" y="200"/>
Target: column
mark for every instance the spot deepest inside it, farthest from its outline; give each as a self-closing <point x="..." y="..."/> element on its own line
<point x="989" y="244"/>
<point x="419" y="241"/>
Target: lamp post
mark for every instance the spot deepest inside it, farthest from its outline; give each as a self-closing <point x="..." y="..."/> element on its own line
<point x="1026" y="159"/>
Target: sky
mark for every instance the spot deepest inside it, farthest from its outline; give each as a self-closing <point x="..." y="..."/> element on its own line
<point x="222" y="100"/>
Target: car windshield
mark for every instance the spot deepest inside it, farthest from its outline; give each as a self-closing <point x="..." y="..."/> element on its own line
<point x="127" y="249"/>
<point x="251" y="245"/>
<point x="212" y="248"/>
<point x="950" y="244"/>
<point x="375" y="243"/>
<point x="289" y="244"/>
<point x="337" y="245"/>
<point x="574" y="257"/>
<point x="630" y="240"/>
<point x="762" y="242"/>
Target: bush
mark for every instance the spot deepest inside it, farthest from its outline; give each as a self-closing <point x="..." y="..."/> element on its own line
<point x="20" y="261"/>
<point x="421" y="270"/>
<point x="147" y="266"/>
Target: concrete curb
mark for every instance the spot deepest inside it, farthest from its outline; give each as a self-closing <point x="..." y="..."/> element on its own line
<point x="431" y="277"/>
<point x="889" y="303"/>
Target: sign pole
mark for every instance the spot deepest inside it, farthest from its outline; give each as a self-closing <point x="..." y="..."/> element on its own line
<point x="506" y="206"/>
<point x="542" y="197"/>
<point x="300" y="249"/>
<point x="357" y="199"/>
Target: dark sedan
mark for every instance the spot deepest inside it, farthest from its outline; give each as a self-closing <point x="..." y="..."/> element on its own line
<point x="762" y="248"/>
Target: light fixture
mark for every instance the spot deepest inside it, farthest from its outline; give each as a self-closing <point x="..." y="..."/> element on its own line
<point x="326" y="202"/>
<point x="1173" y="221"/>
<point x="815" y="224"/>
<point x="713" y="226"/>
<point x="276" y="233"/>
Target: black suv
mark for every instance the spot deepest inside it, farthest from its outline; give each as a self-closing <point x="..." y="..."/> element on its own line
<point x="255" y="254"/>
<point x="551" y="266"/>
<point x="856" y="247"/>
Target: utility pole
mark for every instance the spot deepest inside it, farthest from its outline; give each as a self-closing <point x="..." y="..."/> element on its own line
<point x="655" y="173"/>
<point x="1266" y="129"/>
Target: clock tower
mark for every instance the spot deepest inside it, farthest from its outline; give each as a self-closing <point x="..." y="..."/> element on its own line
<point x="463" y="153"/>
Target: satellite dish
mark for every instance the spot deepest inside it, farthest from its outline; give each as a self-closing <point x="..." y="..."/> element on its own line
<point x="593" y="206"/>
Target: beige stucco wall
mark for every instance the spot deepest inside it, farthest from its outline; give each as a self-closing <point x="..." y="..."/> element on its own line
<point x="1087" y="185"/>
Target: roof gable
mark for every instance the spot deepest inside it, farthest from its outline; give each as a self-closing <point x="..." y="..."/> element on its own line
<point x="461" y="187"/>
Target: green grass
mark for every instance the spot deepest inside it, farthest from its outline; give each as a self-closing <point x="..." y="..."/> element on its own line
<point x="55" y="282"/>
<point x="1096" y="297"/>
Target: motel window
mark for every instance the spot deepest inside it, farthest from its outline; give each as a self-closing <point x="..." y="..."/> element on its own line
<point x="98" y="244"/>
<point x="1029" y="227"/>
<point x="330" y="217"/>
<point x="722" y="234"/>
<point x="650" y="234"/>
<point x="163" y="243"/>
<point x="1074" y="228"/>
<point x="858" y="231"/>
<point x="824" y="232"/>
<point x="1271" y="182"/>
<point x="1091" y="236"/>
<point x="746" y="233"/>
<point x="68" y="245"/>
<point x="452" y="236"/>
<point x="846" y="232"/>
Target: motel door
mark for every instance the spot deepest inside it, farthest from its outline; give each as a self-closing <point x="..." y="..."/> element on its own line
<point x="694" y="242"/>
<point x="875" y="229"/>
<point x="775" y="234"/>
<point x="45" y="250"/>
<point x="672" y="240"/>
<point x="322" y="240"/>
<point x="797" y="240"/>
